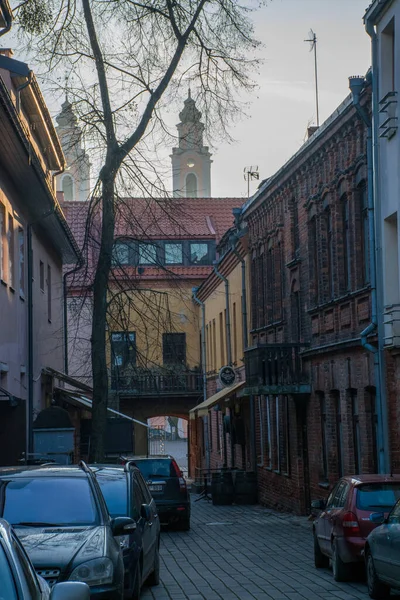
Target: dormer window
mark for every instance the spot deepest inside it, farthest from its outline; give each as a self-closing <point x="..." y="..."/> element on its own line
<point x="67" y="186"/>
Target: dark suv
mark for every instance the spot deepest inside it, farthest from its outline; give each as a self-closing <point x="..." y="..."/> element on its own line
<point x="61" y="518"/>
<point x="126" y="494"/>
<point x="168" y="488"/>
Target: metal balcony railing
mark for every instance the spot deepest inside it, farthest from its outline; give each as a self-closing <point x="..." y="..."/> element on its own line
<point x="274" y="365"/>
<point x="141" y="381"/>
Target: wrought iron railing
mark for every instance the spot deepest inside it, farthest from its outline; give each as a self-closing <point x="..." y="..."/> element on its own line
<point x="274" y="365"/>
<point x="141" y="381"/>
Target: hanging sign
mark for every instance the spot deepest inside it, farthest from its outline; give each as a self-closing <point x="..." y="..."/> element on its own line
<point x="227" y="376"/>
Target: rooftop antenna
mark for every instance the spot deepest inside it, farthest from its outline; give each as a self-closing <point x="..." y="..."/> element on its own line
<point x="313" y="46"/>
<point x="250" y="173"/>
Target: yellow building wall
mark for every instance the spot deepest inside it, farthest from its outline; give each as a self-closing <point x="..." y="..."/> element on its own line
<point x="150" y="313"/>
<point x="215" y="309"/>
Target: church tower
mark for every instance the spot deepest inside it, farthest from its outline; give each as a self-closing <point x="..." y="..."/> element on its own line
<point x="75" y="181"/>
<point x="191" y="161"/>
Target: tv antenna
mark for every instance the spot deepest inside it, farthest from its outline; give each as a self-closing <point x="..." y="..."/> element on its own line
<point x="313" y="46"/>
<point x="250" y="173"/>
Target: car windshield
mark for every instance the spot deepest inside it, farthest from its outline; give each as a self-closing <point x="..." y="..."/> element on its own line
<point x="7" y="586"/>
<point x="156" y="467"/>
<point x="377" y="495"/>
<point x="48" y="501"/>
<point x="115" y="492"/>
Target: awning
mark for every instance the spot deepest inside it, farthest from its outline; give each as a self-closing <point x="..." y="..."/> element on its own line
<point x="78" y="400"/>
<point x="202" y="409"/>
<point x="12" y="400"/>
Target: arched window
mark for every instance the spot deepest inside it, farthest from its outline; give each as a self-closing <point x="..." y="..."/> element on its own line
<point x="191" y="185"/>
<point x="68" y="187"/>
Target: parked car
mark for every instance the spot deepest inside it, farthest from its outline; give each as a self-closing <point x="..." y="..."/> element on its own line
<point x="340" y="530"/>
<point x="168" y="488"/>
<point x="18" y="579"/>
<point x="127" y="495"/>
<point x="382" y="553"/>
<point x="60" y="516"/>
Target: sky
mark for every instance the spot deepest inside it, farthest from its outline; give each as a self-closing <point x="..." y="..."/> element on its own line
<point x="284" y="105"/>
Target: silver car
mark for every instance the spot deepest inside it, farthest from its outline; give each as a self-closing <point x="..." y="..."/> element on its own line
<point x="382" y="554"/>
<point x="18" y="579"/>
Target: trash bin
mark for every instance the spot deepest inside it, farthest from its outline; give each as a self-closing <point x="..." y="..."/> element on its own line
<point x="222" y="490"/>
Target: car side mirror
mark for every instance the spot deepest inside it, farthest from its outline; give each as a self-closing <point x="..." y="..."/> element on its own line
<point x="377" y="518"/>
<point x="145" y="512"/>
<point x="318" y="504"/>
<point x="70" y="590"/>
<point x="122" y="526"/>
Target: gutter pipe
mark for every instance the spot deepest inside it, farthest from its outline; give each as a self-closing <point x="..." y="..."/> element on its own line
<point x="244" y="299"/>
<point x="203" y="340"/>
<point x="20" y="88"/>
<point x="356" y="85"/>
<point x="228" y="320"/>
<point x="8" y="19"/>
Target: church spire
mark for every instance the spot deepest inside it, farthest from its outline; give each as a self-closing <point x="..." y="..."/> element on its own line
<point x="191" y="160"/>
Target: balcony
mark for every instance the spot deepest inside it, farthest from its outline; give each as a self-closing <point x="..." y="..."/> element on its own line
<point x="275" y="369"/>
<point x="139" y="381"/>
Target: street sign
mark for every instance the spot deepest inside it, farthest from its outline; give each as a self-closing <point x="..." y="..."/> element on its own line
<point x="227" y="376"/>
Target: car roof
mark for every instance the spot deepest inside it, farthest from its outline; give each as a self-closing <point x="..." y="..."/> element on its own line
<point x="371" y="478"/>
<point x="111" y="468"/>
<point x="49" y="470"/>
<point x="153" y="456"/>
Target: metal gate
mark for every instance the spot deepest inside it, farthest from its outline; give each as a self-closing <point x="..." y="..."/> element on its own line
<point x="156" y="439"/>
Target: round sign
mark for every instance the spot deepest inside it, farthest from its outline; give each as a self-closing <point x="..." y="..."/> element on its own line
<point x="227" y="375"/>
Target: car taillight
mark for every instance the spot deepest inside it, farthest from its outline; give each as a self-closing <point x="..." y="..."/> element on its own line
<point x="350" y="524"/>
<point x="178" y="472"/>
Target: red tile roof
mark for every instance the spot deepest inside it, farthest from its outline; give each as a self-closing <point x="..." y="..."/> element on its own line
<point x="162" y="218"/>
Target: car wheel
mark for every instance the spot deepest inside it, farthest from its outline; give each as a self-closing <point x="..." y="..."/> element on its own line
<point x="154" y="577"/>
<point x="320" y="560"/>
<point x="376" y="588"/>
<point x="340" y="570"/>
<point x="137" y="584"/>
<point x="184" y="524"/>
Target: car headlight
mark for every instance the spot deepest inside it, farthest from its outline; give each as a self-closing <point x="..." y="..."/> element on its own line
<point x="123" y="541"/>
<point x="94" y="572"/>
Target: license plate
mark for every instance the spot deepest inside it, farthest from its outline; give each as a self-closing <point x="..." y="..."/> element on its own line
<point x="155" y="488"/>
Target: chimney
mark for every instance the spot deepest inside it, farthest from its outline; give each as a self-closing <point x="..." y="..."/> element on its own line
<point x="311" y="130"/>
<point x="6" y="52"/>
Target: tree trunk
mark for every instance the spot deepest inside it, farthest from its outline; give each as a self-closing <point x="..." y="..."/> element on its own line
<point x="98" y="340"/>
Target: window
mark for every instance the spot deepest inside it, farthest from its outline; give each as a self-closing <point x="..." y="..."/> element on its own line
<point x="147" y="254"/>
<point x="198" y="253"/>
<point x="174" y="348"/>
<point x="329" y="254"/>
<point x="260" y="446"/>
<point x="218" y="431"/>
<point x="68" y="188"/>
<point x="339" y="431"/>
<point x="8" y="588"/>
<point x="173" y="253"/>
<point x="41" y="275"/>
<point x="123" y="349"/>
<point x="346" y="243"/>
<point x="268" y="432"/>
<point x="210" y="427"/>
<point x="394" y="516"/>
<point x="11" y="274"/>
<point x="214" y="343"/>
<point x="295" y="229"/>
<point x="49" y="293"/>
<point x="121" y="254"/>
<point x="388" y="58"/>
<point x="313" y="253"/>
<point x="324" y="437"/>
<point x="21" y="254"/>
<point x="283" y="403"/>
<point x="2" y="242"/>
<point x="115" y="491"/>
<point x="191" y="185"/>
<point x="373" y="496"/>
<point x="364" y="233"/>
<point x="270" y="283"/>
<point x="221" y="340"/>
<point x="356" y="432"/>
<point x="373" y="423"/>
<point x="254" y="294"/>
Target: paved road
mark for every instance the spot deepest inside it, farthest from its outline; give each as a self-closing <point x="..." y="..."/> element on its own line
<point x="245" y="553"/>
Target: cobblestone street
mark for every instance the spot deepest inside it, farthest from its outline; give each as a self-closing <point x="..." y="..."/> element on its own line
<point x="245" y="552"/>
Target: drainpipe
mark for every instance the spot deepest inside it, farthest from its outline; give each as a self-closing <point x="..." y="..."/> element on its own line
<point x="228" y="320"/>
<point x="203" y="340"/>
<point x="356" y="86"/>
<point x="20" y="88"/>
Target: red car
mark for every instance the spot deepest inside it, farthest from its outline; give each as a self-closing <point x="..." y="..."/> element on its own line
<point x="342" y="526"/>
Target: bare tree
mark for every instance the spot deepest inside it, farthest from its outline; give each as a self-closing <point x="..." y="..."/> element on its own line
<point x="126" y="61"/>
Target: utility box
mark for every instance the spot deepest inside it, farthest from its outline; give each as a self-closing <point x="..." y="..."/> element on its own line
<point x="54" y="444"/>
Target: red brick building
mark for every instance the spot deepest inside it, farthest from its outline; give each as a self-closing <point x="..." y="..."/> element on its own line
<point x="312" y="380"/>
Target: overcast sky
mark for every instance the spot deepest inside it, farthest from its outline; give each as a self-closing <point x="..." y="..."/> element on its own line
<point x="285" y="102"/>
